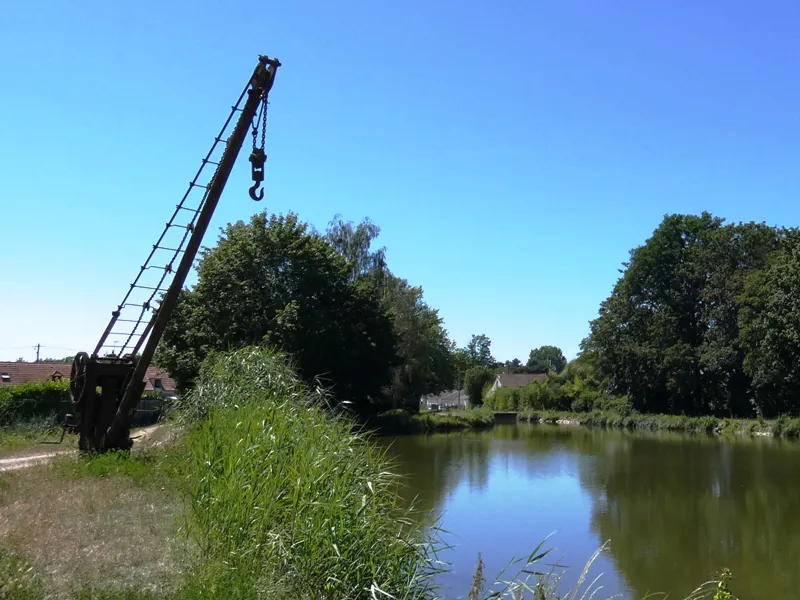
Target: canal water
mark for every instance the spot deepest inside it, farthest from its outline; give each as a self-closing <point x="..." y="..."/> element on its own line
<point x="674" y="508"/>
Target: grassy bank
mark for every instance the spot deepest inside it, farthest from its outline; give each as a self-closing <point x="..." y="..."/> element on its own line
<point x="398" y="422"/>
<point x="783" y="427"/>
<point x="265" y="495"/>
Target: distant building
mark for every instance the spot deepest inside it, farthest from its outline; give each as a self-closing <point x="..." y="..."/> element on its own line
<point x="445" y="400"/>
<point x="15" y="373"/>
<point x="516" y="380"/>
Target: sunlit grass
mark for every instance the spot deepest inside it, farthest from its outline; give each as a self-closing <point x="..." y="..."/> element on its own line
<point x="283" y="500"/>
<point x="286" y="495"/>
<point x="39" y="434"/>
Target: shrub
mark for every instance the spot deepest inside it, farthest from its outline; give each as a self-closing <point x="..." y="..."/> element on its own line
<point x="397" y="421"/>
<point x="618" y="405"/>
<point x="476" y="382"/>
<point x="34" y="402"/>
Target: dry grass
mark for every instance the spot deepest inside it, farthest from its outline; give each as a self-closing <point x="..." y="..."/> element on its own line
<point x="78" y="529"/>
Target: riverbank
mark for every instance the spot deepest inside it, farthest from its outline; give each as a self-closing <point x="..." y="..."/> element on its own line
<point x="401" y="422"/>
<point x="783" y="427"/>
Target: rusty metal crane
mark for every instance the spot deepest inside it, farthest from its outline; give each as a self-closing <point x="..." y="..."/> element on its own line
<point x="107" y="384"/>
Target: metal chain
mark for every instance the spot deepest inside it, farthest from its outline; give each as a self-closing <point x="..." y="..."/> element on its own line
<point x="255" y="133"/>
<point x="264" y="123"/>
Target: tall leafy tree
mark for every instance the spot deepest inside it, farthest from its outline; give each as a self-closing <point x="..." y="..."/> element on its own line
<point x="479" y="351"/>
<point x="673" y="335"/>
<point x="423" y="347"/>
<point x="769" y="317"/>
<point x="275" y="281"/>
<point x="650" y="328"/>
<point x="545" y="359"/>
<point x="425" y="364"/>
<point x="475" y="379"/>
<point x="354" y="243"/>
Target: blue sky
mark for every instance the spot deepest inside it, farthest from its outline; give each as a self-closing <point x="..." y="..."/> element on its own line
<point x="511" y="152"/>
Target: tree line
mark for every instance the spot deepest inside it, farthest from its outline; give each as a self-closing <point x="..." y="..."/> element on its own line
<point x="704" y="320"/>
<point x="329" y="300"/>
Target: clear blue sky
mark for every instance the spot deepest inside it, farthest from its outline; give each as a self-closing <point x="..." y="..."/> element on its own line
<point x="511" y="152"/>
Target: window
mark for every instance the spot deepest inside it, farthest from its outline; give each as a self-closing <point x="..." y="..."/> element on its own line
<point x="157" y="383"/>
<point x="5" y="377"/>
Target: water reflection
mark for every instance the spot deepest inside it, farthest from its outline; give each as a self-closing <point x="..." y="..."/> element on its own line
<point x="675" y="508"/>
<point x="678" y="510"/>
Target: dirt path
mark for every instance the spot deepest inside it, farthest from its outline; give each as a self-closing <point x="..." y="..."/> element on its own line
<point x="26" y="459"/>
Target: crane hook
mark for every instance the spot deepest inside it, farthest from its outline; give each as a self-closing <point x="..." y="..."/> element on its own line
<point x="257" y="158"/>
<point x="253" y="195"/>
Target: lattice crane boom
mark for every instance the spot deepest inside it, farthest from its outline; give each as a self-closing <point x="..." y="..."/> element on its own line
<point x="118" y="364"/>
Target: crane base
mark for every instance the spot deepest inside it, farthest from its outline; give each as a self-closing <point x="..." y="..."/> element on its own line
<point x="97" y="385"/>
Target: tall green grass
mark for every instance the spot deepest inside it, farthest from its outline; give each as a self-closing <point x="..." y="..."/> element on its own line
<point x="283" y="495"/>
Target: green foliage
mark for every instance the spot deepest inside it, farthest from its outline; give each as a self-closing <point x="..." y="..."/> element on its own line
<point x="354" y="243"/>
<point x="399" y="421"/>
<point x="475" y="380"/>
<point x="545" y="359"/>
<point x="786" y="427"/>
<point x="722" y="591"/>
<point x="17" y="579"/>
<point x="538" y="395"/>
<point x="284" y="496"/>
<point x="426" y="366"/>
<point x="769" y="319"/>
<point x="142" y="469"/>
<point x="46" y="400"/>
<point x="479" y="351"/>
<point x="672" y="336"/>
<point x="275" y="282"/>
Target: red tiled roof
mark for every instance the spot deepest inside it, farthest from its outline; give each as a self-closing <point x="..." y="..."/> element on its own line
<point x="24" y="372"/>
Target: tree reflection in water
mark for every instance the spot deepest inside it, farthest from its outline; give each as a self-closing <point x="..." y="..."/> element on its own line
<point x="676" y="508"/>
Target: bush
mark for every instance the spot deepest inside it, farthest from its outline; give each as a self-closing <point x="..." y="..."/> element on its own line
<point x="48" y="400"/>
<point x="618" y="405"/>
<point x="581" y="405"/>
<point x="786" y="426"/>
<point x="396" y="421"/>
<point x="476" y="382"/>
<point x="284" y="496"/>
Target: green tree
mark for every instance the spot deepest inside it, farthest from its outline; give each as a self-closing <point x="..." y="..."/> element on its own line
<point x="479" y="350"/>
<point x="425" y="365"/>
<point x="732" y="254"/>
<point x="514" y="366"/>
<point x="475" y="379"/>
<point x="423" y="347"/>
<point x="769" y="317"/>
<point x="546" y="358"/>
<point x="650" y="328"/>
<point x="354" y="243"/>
<point x="460" y="359"/>
<point x="669" y="335"/>
<point x="275" y="281"/>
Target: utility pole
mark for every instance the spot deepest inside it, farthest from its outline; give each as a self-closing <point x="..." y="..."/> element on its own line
<point x="38" y="346"/>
